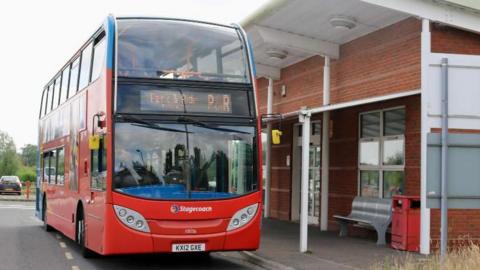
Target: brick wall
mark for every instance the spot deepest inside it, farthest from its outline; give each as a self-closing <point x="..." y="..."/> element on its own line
<point x="344" y="158"/>
<point x="343" y="183"/>
<point x="462" y="224"/>
<point x="281" y="179"/>
<point x="451" y="40"/>
<point x="281" y="174"/>
<point x="383" y="62"/>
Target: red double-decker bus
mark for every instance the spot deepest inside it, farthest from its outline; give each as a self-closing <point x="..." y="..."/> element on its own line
<point x="149" y="140"/>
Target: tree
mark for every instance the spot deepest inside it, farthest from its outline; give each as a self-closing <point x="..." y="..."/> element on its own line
<point x="29" y="155"/>
<point x="9" y="162"/>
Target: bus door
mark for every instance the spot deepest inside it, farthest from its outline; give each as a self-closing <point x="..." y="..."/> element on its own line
<point x="38" y="184"/>
<point x="96" y="205"/>
<point x="72" y="155"/>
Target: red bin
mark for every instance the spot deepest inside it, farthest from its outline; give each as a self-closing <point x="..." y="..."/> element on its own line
<point x="406" y="223"/>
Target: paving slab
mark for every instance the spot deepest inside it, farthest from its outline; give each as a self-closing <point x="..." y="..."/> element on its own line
<point x="280" y="243"/>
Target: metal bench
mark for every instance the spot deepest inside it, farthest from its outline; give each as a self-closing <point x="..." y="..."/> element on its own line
<point x="374" y="212"/>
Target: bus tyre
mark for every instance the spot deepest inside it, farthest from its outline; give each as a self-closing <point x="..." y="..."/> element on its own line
<point x="46" y="227"/>
<point x="86" y="253"/>
<point x="206" y="256"/>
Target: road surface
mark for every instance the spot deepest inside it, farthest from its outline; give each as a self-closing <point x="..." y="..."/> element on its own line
<point x="25" y="245"/>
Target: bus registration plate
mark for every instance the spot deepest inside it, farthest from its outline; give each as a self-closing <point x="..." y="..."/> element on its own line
<point x="196" y="247"/>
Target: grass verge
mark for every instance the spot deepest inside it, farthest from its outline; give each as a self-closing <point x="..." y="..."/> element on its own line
<point x="466" y="257"/>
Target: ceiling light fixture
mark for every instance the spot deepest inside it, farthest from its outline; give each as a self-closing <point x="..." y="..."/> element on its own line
<point x="276" y="54"/>
<point x="343" y="22"/>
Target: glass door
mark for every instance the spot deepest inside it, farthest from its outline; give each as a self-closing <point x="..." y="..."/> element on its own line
<point x="314" y="163"/>
<point x="314" y="185"/>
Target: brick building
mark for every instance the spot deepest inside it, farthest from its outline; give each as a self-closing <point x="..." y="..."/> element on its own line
<point x="361" y="71"/>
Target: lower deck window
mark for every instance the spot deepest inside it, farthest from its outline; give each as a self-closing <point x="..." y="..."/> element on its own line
<point x="53" y="166"/>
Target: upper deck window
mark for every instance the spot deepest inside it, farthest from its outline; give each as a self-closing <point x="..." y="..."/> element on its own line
<point x="73" y="86"/>
<point x="98" y="58"/>
<point x="48" y="104"/>
<point x="64" y="90"/>
<point x="56" y="92"/>
<point x="179" y="50"/>
<point x="85" y="67"/>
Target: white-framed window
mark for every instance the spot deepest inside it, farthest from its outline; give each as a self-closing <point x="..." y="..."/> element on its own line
<point x="381" y="153"/>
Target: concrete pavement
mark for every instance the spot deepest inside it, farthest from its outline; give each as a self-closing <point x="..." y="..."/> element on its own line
<point x="327" y="251"/>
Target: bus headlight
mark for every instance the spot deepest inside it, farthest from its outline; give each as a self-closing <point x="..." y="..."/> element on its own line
<point x="242" y="217"/>
<point x="122" y="212"/>
<point x="131" y="219"/>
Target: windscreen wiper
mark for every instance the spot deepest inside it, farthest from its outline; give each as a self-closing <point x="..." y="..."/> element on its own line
<point x="142" y="123"/>
<point x="188" y="120"/>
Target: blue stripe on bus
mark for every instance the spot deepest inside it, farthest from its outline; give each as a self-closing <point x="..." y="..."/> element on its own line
<point x="172" y="192"/>
<point x="254" y="68"/>
<point x="110" y="31"/>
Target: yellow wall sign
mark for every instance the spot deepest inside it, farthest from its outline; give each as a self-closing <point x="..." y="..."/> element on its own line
<point x="276" y="136"/>
<point x="94" y="142"/>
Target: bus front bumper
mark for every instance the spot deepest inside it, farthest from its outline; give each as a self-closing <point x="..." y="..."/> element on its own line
<point x="119" y="239"/>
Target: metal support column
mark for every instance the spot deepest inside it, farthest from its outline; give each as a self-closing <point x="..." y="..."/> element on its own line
<point x="325" y="148"/>
<point x="444" y="207"/>
<point x="424" y="211"/>
<point x="268" y="150"/>
<point x="304" y="118"/>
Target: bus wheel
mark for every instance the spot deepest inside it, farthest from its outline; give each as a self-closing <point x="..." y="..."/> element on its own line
<point x="203" y="256"/>
<point x="86" y="253"/>
<point x="46" y="227"/>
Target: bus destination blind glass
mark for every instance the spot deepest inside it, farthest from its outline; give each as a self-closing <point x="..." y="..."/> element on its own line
<point x="180" y="101"/>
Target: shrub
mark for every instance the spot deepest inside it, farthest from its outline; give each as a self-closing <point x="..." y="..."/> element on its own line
<point x="26" y="174"/>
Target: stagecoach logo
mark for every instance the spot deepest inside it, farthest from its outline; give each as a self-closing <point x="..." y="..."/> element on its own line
<point x="188" y="209"/>
<point x="174" y="209"/>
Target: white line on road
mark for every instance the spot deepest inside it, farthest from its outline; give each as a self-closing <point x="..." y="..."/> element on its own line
<point x="36" y="219"/>
<point x="68" y="255"/>
<point x="21" y="207"/>
<point x="63" y="245"/>
<point x="75" y="267"/>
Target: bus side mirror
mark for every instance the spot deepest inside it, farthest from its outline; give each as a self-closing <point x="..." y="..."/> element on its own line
<point x="94" y="142"/>
<point x="276" y="136"/>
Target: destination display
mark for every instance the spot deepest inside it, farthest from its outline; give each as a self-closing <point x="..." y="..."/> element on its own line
<point x="147" y="99"/>
<point x="185" y="101"/>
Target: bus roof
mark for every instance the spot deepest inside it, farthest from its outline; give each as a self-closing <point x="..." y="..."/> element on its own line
<point x="234" y="26"/>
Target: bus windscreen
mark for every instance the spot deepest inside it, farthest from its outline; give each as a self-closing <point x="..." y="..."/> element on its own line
<point x="184" y="161"/>
<point x="180" y="50"/>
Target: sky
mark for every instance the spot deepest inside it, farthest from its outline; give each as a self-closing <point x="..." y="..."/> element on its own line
<point x="38" y="37"/>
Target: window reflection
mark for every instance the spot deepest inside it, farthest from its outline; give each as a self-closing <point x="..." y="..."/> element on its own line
<point x="392" y="183"/>
<point x="394" y="122"/>
<point x="98" y="58"/>
<point x="370" y="123"/>
<point x="382" y="152"/>
<point x="369" y="153"/>
<point x="85" y="67"/>
<point x="179" y="50"/>
<point x="393" y="153"/>
<point x="369" y="183"/>
<point x="178" y="161"/>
